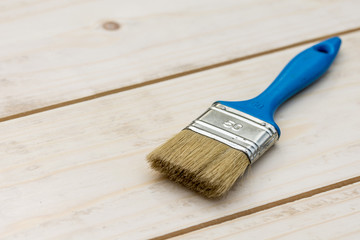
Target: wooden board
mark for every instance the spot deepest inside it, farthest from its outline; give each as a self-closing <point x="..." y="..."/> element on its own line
<point x="79" y="172"/>
<point x="331" y="215"/>
<point x="54" y="53"/>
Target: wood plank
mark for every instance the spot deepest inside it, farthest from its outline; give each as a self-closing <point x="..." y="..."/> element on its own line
<point x="57" y="51"/>
<point x="331" y="215"/>
<point x="79" y="172"/>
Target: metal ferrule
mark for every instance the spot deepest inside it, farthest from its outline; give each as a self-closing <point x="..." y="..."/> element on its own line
<point x="236" y="129"/>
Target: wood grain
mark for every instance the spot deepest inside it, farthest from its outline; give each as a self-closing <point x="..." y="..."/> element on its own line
<point x="331" y="215"/>
<point x="55" y="53"/>
<point x="260" y="208"/>
<point x="79" y="172"/>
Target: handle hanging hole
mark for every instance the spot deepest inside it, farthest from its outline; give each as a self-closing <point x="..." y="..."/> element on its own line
<point x="322" y="49"/>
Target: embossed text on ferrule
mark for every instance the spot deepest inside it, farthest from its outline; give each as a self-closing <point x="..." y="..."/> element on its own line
<point x="236" y="129"/>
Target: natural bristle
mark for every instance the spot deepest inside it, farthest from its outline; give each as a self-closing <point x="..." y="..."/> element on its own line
<point x="199" y="162"/>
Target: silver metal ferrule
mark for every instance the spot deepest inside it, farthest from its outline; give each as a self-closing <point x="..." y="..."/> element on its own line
<point x="236" y="129"/>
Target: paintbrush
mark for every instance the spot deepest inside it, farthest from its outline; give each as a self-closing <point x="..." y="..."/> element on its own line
<point x="211" y="153"/>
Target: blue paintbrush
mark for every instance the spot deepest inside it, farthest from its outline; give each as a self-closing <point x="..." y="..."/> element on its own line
<point x="216" y="148"/>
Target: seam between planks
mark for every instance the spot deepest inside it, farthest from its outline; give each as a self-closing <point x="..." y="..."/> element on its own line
<point x="258" y="208"/>
<point x="170" y="77"/>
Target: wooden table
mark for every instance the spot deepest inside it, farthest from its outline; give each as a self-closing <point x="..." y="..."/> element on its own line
<point x="89" y="87"/>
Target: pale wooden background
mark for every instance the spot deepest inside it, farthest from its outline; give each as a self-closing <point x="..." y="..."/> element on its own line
<point x="81" y="105"/>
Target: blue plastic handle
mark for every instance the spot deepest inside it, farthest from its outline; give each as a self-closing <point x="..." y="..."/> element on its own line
<point x="299" y="73"/>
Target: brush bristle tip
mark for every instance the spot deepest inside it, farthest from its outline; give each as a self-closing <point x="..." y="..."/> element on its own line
<point x="199" y="163"/>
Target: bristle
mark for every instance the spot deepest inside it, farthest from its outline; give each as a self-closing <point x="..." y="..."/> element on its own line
<point x="199" y="162"/>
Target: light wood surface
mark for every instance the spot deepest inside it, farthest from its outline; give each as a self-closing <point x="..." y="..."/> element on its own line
<point x="89" y="87"/>
<point x="79" y="172"/>
<point x="331" y="215"/>
<point x="53" y="52"/>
